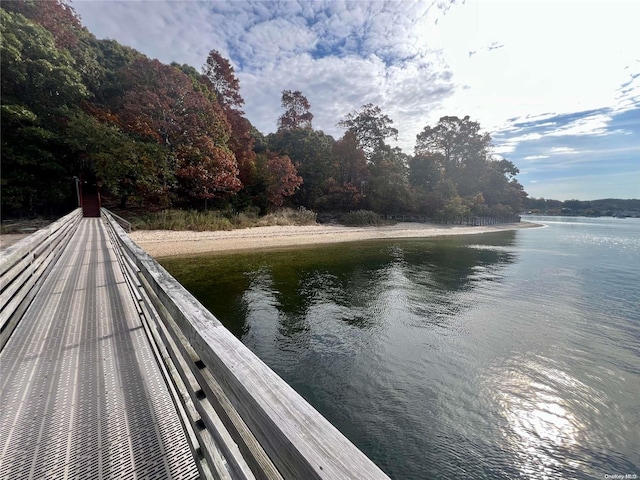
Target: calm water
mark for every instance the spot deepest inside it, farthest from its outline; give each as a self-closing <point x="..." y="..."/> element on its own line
<point x="514" y="354"/>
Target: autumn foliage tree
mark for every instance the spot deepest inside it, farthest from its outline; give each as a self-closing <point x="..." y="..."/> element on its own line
<point x="160" y="103"/>
<point x="55" y="16"/>
<point x="282" y="179"/>
<point x="268" y="180"/>
<point x="310" y="152"/>
<point x="220" y="76"/>
<point x="297" y="115"/>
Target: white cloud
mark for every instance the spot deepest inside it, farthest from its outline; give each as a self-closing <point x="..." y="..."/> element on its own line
<point x="558" y="57"/>
<point x="589" y="125"/>
<point x="533" y="59"/>
<point x="504" y="148"/>
<point x="509" y="145"/>
<point x="526" y="138"/>
<point x="536" y="157"/>
<point x="563" y="151"/>
<point x="336" y="86"/>
<point x="276" y="39"/>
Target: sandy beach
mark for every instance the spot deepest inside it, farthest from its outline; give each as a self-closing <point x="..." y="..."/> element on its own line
<point x="165" y="243"/>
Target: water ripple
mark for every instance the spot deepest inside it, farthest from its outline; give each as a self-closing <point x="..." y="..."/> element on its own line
<point x="549" y="416"/>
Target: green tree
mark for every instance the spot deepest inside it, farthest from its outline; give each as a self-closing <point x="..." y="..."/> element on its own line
<point x="371" y="128"/>
<point x="40" y="89"/>
<point x="55" y="16"/>
<point x="499" y="187"/>
<point x="425" y="171"/>
<point x="114" y="58"/>
<point x="388" y="189"/>
<point x="349" y="174"/>
<point x="462" y="154"/>
<point x="311" y="153"/>
<point x="126" y="168"/>
<point x="455" y="209"/>
<point x="34" y="71"/>
<point x="425" y="174"/>
<point x="463" y="150"/>
<point x="350" y="162"/>
<point x="60" y="19"/>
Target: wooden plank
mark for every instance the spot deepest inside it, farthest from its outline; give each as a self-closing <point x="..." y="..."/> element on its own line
<point x="13" y="254"/>
<point x="16" y="260"/>
<point x="30" y="269"/>
<point x="209" y="461"/>
<point x="12" y="289"/>
<point x="233" y="421"/>
<point x="15" y="271"/>
<point x="88" y="400"/>
<point x="189" y="416"/>
<point x="12" y="313"/>
<point x="55" y="237"/>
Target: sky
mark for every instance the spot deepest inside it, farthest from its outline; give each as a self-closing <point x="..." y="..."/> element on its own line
<point x="555" y="82"/>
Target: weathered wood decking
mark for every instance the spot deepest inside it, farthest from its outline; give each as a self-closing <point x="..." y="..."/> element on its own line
<point x="111" y="369"/>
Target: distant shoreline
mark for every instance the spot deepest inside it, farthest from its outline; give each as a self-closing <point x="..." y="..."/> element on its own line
<point x="168" y="243"/>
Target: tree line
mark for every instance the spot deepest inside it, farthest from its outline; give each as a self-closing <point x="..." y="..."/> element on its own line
<point x="153" y="135"/>
<point x="590" y="208"/>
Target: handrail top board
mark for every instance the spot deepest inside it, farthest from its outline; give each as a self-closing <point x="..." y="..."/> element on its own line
<point x="14" y="253"/>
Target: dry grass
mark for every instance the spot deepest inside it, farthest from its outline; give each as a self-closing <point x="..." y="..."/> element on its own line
<point x="215" y="220"/>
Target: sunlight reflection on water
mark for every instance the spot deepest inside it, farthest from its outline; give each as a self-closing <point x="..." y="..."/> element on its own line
<point x="542" y="408"/>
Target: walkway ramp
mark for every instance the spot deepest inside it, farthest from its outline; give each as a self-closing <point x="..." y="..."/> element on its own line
<point x="110" y="369"/>
<point x="82" y="394"/>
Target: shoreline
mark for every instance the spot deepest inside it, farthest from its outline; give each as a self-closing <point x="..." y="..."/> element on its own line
<point x="169" y="243"/>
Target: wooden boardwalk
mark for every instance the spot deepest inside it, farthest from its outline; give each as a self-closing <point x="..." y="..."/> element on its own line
<point x="82" y="394"/>
<point x="110" y="369"/>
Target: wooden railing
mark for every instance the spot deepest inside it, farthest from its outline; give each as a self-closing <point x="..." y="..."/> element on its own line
<point x="125" y="224"/>
<point x="242" y="419"/>
<point x="25" y="264"/>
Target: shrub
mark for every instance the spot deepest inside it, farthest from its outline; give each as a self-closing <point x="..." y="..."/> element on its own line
<point x="289" y="216"/>
<point x="362" y="218"/>
<point x="216" y="220"/>
<point x="183" y="220"/>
